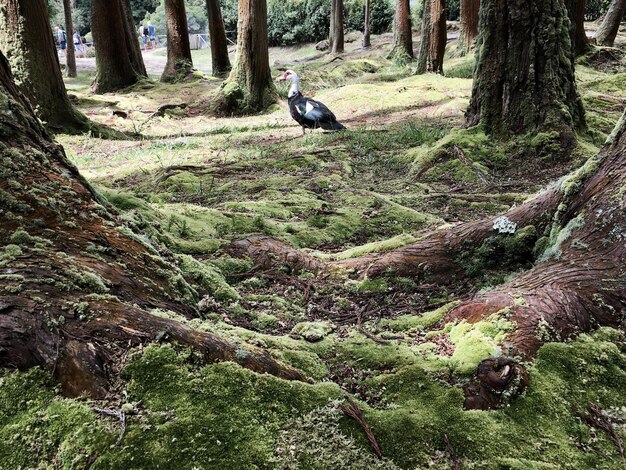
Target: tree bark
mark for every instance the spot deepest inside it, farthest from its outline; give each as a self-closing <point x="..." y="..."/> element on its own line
<point x="605" y="36"/>
<point x="115" y="67"/>
<point x="249" y="87"/>
<point x="469" y="24"/>
<point x="425" y="38"/>
<point x="366" y="25"/>
<point x="134" y="49"/>
<point x="576" y="284"/>
<point x="403" y="35"/>
<point x="576" y="10"/>
<point x="26" y="37"/>
<point x="70" y="53"/>
<point x="434" y="37"/>
<point x="179" y="62"/>
<point x="220" y="63"/>
<point x="524" y="79"/>
<point x="336" y="40"/>
<point x="77" y="287"/>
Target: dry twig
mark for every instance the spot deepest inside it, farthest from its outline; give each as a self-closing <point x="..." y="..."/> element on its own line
<point x="120" y="415"/>
<point x="353" y="410"/>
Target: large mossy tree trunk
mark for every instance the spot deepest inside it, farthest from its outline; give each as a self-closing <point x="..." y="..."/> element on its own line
<point x="220" y="63"/>
<point x="366" y="24"/>
<point x="70" y="53"/>
<point x="403" y="35"/>
<point x="469" y="24"/>
<point x="605" y="36"/>
<point x="77" y="286"/>
<point x="26" y="37"/>
<point x="336" y="39"/>
<point x="434" y="37"/>
<point x="179" y="62"/>
<point x="524" y="79"/>
<point x="116" y="66"/>
<point x="249" y="87"/>
<point x="576" y="10"/>
<point x="134" y="49"/>
<point x="572" y="235"/>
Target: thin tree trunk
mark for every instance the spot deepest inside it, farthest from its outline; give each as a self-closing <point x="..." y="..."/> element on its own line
<point x="434" y="37"/>
<point x="249" y="87"/>
<point x="425" y="38"/>
<point x="55" y="221"/>
<point x="179" y="62"/>
<point x="524" y="79"/>
<point x="336" y="40"/>
<point x="366" y="25"/>
<point x="220" y="63"/>
<point x="576" y="10"/>
<point x="70" y="53"/>
<point x="605" y="36"/>
<point x="134" y="49"/>
<point x="439" y="15"/>
<point x="469" y="24"/>
<point x="114" y="68"/>
<point x="25" y="32"/>
<point x="403" y="36"/>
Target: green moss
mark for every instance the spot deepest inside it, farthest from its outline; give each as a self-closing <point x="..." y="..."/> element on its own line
<point x="572" y="183"/>
<point x="316" y="440"/>
<point x="500" y="250"/>
<point x="207" y="278"/>
<point x="424" y="321"/>
<point x="312" y="331"/>
<point x="552" y="246"/>
<point x="462" y="67"/>
<point x="223" y="416"/>
<point x="87" y="280"/>
<point x="22" y="237"/>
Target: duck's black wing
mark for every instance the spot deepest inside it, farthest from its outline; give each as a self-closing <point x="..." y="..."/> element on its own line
<point x="316" y="114"/>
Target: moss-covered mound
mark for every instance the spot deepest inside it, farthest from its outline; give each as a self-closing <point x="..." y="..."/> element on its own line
<point x="183" y="415"/>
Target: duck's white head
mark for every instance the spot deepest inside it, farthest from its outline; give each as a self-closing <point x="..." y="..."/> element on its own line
<point x="291" y="76"/>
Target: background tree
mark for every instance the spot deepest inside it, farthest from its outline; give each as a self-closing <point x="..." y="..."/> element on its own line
<point x="179" y="63"/>
<point x="512" y="97"/>
<point x="249" y="86"/>
<point x="469" y="10"/>
<point x="366" y="25"/>
<point x="576" y="10"/>
<point x="335" y="39"/>
<point x="403" y="35"/>
<point x="132" y="39"/>
<point x="49" y="240"/>
<point x="115" y="66"/>
<point x="605" y="36"/>
<point x="70" y="53"/>
<point x="27" y="39"/>
<point x="220" y="63"/>
<point x="434" y="37"/>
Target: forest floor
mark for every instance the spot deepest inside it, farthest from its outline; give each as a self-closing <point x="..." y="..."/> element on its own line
<point x="192" y="183"/>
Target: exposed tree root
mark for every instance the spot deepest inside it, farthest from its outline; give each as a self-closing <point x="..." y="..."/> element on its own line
<point x="78" y="287"/>
<point x="578" y="285"/>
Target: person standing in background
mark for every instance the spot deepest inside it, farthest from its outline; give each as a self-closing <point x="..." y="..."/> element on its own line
<point x="61" y="38"/>
<point x="143" y="32"/>
<point x="152" y="34"/>
<point x="78" y="44"/>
